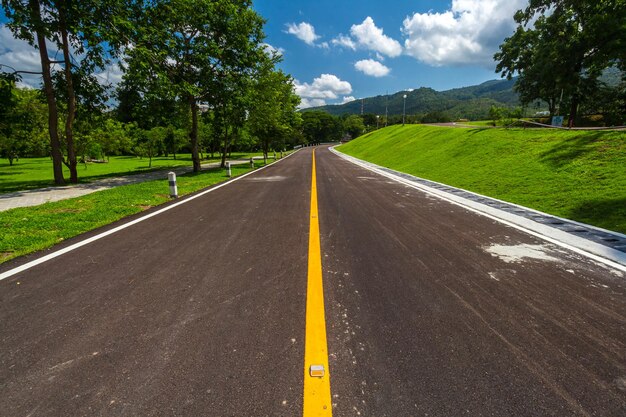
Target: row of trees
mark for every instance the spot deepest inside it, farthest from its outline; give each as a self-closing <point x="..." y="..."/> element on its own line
<point x="561" y="48"/>
<point x="196" y="76"/>
<point x="320" y="126"/>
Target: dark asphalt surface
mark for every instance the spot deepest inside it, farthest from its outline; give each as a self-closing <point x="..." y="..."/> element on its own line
<point x="200" y="311"/>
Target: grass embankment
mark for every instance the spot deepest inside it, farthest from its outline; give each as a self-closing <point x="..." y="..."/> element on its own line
<point x="28" y="229"/>
<point x="579" y="175"/>
<point x="31" y="173"/>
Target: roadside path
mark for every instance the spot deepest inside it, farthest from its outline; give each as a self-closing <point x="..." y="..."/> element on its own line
<point x="39" y="196"/>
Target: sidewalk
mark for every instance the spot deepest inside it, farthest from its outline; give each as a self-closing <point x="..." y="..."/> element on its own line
<point x="44" y="195"/>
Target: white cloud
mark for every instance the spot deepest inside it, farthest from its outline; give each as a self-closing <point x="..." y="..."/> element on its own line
<point x="303" y="31"/>
<point x="271" y="50"/>
<point x="371" y="67"/>
<point x="347" y="99"/>
<point x="325" y="87"/>
<point x="111" y="75"/>
<point x="305" y="103"/>
<point x="344" y="41"/>
<point x="369" y="36"/>
<point x="469" y="33"/>
<point x="19" y="55"/>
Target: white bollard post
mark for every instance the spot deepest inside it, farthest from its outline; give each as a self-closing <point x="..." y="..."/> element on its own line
<point x="171" y="176"/>
<point x="274" y="156"/>
<point x="251" y="163"/>
<point x="230" y="174"/>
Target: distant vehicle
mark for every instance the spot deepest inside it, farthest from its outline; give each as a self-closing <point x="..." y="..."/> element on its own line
<point x="542" y="113"/>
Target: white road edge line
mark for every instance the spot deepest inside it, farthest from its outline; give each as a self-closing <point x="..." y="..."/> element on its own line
<point x="600" y="253"/>
<point x="77" y="245"/>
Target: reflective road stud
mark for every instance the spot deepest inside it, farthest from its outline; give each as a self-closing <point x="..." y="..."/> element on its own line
<point x="171" y="176"/>
<point x="316" y="371"/>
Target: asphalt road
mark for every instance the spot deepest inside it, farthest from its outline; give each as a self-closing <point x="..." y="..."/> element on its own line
<point x="200" y="311"/>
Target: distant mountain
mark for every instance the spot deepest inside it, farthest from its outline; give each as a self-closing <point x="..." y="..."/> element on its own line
<point x="468" y="102"/>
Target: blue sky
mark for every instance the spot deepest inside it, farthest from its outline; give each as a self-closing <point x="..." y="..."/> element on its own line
<point x="345" y="49"/>
<point x="341" y="50"/>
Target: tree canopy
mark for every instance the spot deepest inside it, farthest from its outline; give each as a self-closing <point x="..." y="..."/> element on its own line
<point x="561" y="47"/>
<point x="193" y="66"/>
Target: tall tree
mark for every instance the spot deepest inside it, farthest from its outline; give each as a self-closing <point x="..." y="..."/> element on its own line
<point x="354" y="126"/>
<point x="26" y="22"/>
<point x="83" y="32"/>
<point x="8" y="105"/>
<point x="195" y="50"/>
<point x="272" y="116"/>
<point x="560" y="48"/>
<point x="22" y="120"/>
<point x="319" y="127"/>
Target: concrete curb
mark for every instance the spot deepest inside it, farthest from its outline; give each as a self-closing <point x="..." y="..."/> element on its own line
<point x="593" y="242"/>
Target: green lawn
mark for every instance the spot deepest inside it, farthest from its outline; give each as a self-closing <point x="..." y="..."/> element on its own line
<point x="30" y="173"/>
<point x="29" y="229"/>
<point x="573" y="174"/>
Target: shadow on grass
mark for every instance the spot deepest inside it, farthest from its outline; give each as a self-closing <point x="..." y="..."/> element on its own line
<point x="10" y="187"/>
<point x="569" y="150"/>
<point x="7" y="173"/>
<point x="608" y="213"/>
<point x="15" y="186"/>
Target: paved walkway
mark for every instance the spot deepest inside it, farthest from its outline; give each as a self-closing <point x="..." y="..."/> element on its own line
<point x="44" y="195"/>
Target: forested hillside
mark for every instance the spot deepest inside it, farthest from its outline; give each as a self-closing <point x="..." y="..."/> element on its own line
<point x="471" y="102"/>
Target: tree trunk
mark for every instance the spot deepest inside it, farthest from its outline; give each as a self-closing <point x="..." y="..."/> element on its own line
<point x="573" y="110"/>
<point x="552" y="106"/>
<point x="224" y="132"/>
<point x="71" y="100"/>
<point x="226" y="147"/>
<point x="193" y="135"/>
<point x="53" y="116"/>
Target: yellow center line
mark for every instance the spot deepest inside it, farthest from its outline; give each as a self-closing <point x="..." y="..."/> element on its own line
<point x="317" y="400"/>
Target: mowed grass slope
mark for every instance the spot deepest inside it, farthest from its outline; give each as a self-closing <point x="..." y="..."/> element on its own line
<point x="580" y="175"/>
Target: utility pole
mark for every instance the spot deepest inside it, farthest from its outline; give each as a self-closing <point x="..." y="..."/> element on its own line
<point x="362" y="105"/>
<point x="404" y="109"/>
<point x="386" y="107"/>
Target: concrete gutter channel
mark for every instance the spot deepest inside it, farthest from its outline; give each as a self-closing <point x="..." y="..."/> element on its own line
<point x="609" y="246"/>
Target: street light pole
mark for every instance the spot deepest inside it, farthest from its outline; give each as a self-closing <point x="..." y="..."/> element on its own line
<point x="404" y="109"/>
<point x="386" y="107"/>
<point x="377" y="119"/>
